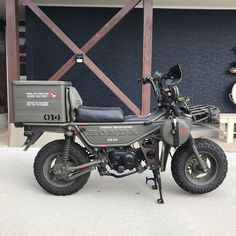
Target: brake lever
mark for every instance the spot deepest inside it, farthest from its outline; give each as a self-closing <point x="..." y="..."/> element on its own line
<point x="143" y="80"/>
<point x="147" y="79"/>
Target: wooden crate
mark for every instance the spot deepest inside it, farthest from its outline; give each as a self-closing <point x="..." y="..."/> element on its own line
<point x="227" y="123"/>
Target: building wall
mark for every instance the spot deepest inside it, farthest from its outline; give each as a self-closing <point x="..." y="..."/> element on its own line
<point x="3" y="78"/>
<point x="201" y="41"/>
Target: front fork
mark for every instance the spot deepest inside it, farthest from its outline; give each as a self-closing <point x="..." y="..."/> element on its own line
<point x="166" y="150"/>
<point x="201" y="162"/>
<point x="164" y="156"/>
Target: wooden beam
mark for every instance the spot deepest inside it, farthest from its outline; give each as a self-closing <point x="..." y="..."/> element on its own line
<point x="110" y="25"/>
<point x="147" y="53"/>
<point x="60" y="34"/>
<point x="108" y="83"/>
<point x="66" y="67"/>
<point x="111" y="86"/>
<point x="12" y="44"/>
<point x="97" y="37"/>
<point x="52" y="26"/>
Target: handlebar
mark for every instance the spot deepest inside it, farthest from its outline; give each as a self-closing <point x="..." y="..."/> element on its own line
<point x="163" y="86"/>
<point x="173" y="77"/>
<point x="146" y="79"/>
<point x="156" y="77"/>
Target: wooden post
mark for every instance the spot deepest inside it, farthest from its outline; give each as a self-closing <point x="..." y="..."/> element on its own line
<point x="12" y="43"/>
<point x="147" y="53"/>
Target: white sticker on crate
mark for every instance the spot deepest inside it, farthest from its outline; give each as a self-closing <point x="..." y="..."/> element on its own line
<point x="37" y="95"/>
<point x="37" y="104"/>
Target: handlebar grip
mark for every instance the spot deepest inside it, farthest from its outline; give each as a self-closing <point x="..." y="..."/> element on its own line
<point x="146" y="79"/>
<point x="157" y="75"/>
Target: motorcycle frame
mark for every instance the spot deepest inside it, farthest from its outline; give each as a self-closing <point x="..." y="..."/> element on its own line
<point x="33" y="131"/>
<point x="144" y="130"/>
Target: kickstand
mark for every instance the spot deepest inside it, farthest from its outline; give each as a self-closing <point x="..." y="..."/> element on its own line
<point x="154" y="180"/>
<point x="157" y="181"/>
<point x="157" y="175"/>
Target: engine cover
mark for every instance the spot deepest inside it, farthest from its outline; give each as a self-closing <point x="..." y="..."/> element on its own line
<point x="123" y="159"/>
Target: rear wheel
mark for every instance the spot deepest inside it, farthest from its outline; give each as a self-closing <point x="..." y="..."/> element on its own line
<point x="187" y="172"/>
<point x="48" y="165"/>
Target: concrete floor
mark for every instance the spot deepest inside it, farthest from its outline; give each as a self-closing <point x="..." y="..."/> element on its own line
<point x="107" y="206"/>
<point x="3" y="138"/>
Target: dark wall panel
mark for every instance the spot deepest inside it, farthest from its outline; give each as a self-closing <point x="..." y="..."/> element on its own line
<point x="3" y="76"/>
<point x="201" y="41"/>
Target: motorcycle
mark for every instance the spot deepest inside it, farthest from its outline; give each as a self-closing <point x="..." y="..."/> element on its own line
<point x="119" y="146"/>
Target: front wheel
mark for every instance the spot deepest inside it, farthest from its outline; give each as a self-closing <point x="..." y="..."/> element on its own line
<point x="48" y="165"/>
<point x="187" y="172"/>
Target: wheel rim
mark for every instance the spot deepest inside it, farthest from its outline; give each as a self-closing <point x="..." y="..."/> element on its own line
<point x="195" y="174"/>
<point x="52" y="163"/>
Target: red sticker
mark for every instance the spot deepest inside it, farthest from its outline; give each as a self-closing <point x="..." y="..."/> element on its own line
<point x="53" y="95"/>
<point x="183" y="130"/>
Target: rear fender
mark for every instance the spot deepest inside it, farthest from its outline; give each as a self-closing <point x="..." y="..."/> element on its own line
<point x="32" y="134"/>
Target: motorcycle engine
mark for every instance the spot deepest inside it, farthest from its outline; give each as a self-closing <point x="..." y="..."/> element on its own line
<point x="123" y="158"/>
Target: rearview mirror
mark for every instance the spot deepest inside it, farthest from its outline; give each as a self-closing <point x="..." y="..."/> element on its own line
<point x="174" y="75"/>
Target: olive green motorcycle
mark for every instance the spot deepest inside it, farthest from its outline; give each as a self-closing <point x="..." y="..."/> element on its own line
<point x="118" y="145"/>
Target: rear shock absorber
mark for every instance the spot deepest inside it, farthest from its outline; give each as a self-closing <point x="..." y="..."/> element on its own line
<point x="69" y="138"/>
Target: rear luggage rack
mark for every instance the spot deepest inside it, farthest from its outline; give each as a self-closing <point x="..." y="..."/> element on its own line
<point x="205" y="114"/>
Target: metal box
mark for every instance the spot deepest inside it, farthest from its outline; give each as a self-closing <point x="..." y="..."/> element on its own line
<point x="40" y="101"/>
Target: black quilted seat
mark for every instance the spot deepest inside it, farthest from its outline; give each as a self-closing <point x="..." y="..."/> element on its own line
<point x="150" y="117"/>
<point x="99" y="114"/>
